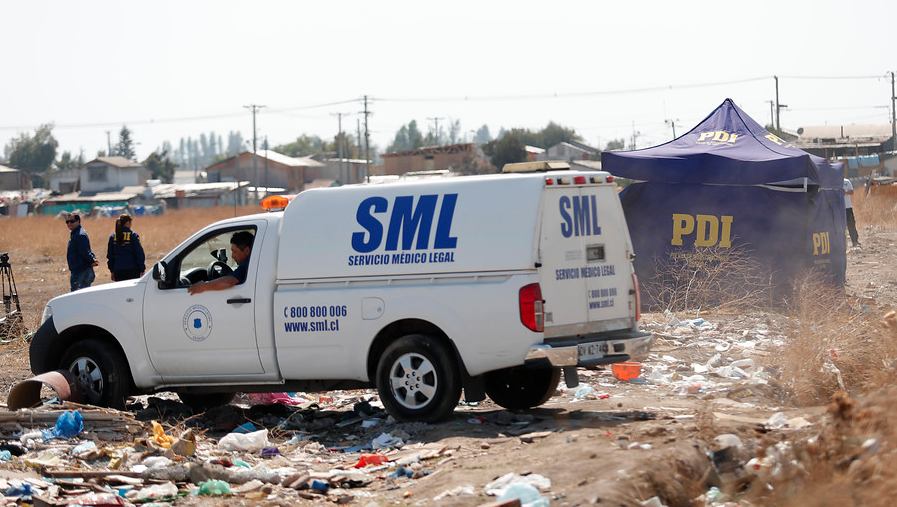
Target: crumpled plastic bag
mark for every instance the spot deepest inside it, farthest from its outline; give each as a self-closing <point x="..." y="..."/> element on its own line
<point x="68" y="425"/>
<point x="214" y="487"/>
<point x="387" y="441"/>
<point x="500" y="485"/>
<point x="246" y="442"/>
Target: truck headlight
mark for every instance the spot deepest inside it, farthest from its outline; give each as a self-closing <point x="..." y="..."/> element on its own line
<point x="48" y="312"/>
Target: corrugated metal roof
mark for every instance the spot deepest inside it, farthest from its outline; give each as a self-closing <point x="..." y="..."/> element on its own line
<point x="846" y="131"/>
<point x="167" y="190"/>
<point x="4" y="169"/>
<point x="289" y="161"/>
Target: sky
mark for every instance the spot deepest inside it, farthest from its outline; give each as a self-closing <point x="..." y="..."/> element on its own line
<point x="608" y="70"/>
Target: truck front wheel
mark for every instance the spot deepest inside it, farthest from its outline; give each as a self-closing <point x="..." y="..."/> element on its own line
<point x="100" y="370"/>
<point x="520" y="388"/>
<point x="418" y="379"/>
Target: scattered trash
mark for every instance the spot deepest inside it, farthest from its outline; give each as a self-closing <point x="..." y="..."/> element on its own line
<point x="626" y="370"/>
<point x="246" y="442"/>
<point x="68" y="424"/>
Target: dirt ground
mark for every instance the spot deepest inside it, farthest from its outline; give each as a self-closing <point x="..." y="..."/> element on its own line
<point x="606" y="442"/>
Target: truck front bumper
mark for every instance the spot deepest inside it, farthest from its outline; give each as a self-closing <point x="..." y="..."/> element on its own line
<point x="590" y="350"/>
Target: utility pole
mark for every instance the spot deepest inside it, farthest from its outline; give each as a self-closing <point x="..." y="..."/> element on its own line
<point x="255" y="175"/>
<point x="779" y="108"/>
<point x="893" y="116"/>
<point x="266" y="166"/>
<point x="367" y="142"/>
<point x="339" y="145"/>
<point x="772" y="116"/>
<point x="672" y="123"/>
<point x="108" y="145"/>
<point x="635" y="135"/>
<point x="436" y="130"/>
<point x="357" y="138"/>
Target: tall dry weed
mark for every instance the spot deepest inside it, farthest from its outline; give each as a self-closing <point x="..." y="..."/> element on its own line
<point x="830" y="345"/>
<point x="708" y="277"/>
<point x="877" y="210"/>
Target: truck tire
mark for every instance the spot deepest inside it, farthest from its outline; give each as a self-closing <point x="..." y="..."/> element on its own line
<point x="100" y="370"/>
<point x="418" y="379"/>
<point x="520" y="388"/>
<point x="200" y="402"/>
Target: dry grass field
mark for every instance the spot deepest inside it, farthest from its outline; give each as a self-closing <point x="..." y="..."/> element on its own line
<point x="37" y="245"/>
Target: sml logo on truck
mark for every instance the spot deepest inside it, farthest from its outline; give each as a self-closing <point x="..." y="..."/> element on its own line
<point x="580" y="218"/>
<point x="409" y="234"/>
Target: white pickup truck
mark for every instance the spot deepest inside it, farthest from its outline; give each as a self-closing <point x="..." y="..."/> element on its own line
<point x="492" y="284"/>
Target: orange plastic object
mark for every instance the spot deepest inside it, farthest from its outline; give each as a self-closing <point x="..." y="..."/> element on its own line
<point x="626" y="370"/>
<point x="370" y="459"/>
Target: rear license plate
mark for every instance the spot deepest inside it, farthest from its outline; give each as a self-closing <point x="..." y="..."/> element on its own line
<point x="589" y="351"/>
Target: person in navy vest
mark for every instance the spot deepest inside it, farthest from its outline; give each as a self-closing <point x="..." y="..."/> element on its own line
<point x="79" y="256"/>
<point x="126" y="259"/>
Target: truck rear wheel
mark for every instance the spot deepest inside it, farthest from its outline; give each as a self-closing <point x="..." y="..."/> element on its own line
<point x="418" y="379"/>
<point x="519" y="387"/>
<point x="100" y="370"/>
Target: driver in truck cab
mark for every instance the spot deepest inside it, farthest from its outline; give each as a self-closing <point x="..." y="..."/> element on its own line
<point x="240" y="247"/>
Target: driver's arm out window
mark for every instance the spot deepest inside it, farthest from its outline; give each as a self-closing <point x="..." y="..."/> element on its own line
<point x="194" y="264"/>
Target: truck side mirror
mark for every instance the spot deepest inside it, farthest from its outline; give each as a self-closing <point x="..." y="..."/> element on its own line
<point x="160" y="273"/>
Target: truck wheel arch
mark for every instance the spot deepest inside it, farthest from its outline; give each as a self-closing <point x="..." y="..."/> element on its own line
<point x="405" y="327"/>
<point x="75" y="334"/>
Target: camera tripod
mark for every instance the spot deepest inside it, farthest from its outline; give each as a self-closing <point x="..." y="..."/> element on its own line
<point x="11" y="322"/>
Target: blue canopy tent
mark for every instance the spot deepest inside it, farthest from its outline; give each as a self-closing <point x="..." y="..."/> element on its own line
<point x="729" y="183"/>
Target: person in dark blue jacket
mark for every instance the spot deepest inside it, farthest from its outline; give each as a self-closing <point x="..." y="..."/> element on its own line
<point x="79" y="256"/>
<point x="126" y="259"/>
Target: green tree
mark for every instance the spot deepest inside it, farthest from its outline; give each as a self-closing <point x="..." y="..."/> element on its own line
<point x="67" y="161"/>
<point x="507" y="150"/>
<point x="34" y="155"/>
<point x="303" y="146"/>
<point x="125" y="146"/>
<point x="482" y="135"/>
<point x="615" y="144"/>
<point x="408" y="137"/>
<point x="160" y="166"/>
<point x="234" y="143"/>
<point x="547" y="137"/>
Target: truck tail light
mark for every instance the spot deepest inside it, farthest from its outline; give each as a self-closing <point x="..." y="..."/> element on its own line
<point x="531" y="307"/>
<point x="638" y="298"/>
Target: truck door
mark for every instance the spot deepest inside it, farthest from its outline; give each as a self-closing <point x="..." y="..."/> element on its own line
<point x="211" y="334"/>
<point x="583" y="253"/>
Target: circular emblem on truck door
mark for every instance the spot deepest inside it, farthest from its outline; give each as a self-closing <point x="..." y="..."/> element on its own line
<point x="198" y="323"/>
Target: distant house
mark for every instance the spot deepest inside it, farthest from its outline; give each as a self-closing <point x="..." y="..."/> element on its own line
<point x="839" y="141"/>
<point x="86" y="204"/>
<point x="268" y="169"/>
<point x="432" y="158"/>
<point x="110" y="174"/>
<point x="65" y="181"/>
<point x="201" y="195"/>
<point x="533" y="153"/>
<point x="13" y="179"/>
<point x="569" y="151"/>
<point x="345" y="171"/>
